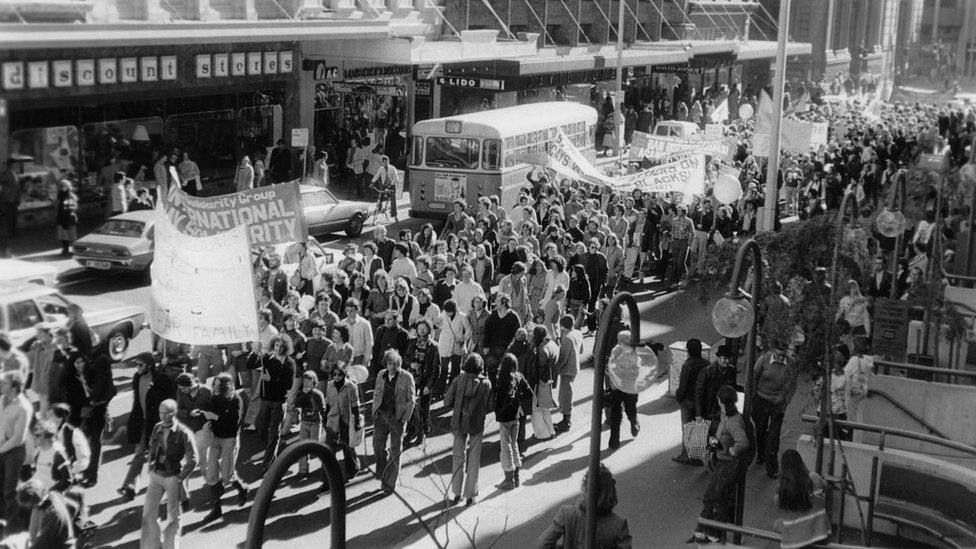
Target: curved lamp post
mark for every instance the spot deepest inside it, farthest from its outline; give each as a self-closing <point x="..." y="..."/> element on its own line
<point x="848" y="203"/>
<point x="600" y="354"/>
<point x="331" y="477"/>
<point x="734" y="315"/>
<point x="891" y="223"/>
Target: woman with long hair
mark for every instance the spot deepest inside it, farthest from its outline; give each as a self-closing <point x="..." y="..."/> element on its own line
<point x="511" y="391"/>
<point x="426" y="237"/>
<point x="358" y="288"/>
<point x="569" y="524"/>
<point x="853" y="308"/>
<point x="468" y="398"/>
<point x="578" y="294"/>
<point x="730" y="453"/>
<point x="800" y="499"/>
<point x="226" y="415"/>
<point x="538" y="279"/>
<point x="67" y="216"/>
<point x="379" y="299"/>
<point x="615" y="263"/>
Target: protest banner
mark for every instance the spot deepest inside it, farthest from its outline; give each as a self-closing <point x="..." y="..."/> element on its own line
<point x="202" y="286"/>
<point x="656" y="147"/>
<point x="272" y="215"/>
<point x="796" y="136"/>
<point x="686" y="175"/>
<point x="714" y="131"/>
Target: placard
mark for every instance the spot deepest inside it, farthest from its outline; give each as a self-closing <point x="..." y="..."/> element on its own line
<point x="272" y="214"/>
<point x="449" y="186"/>
<point x="890" y="329"/>
<point x="299" y="137"/>
<point x="714" y="131"/>
<point x="202" y="287"/>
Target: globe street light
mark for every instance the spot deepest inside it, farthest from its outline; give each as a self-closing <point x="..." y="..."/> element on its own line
<point x="735" y="316"/>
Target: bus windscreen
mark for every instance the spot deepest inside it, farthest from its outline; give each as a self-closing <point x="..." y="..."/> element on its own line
<point x="452" y="152"/>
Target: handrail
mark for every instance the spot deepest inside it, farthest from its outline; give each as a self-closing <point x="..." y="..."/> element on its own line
<point x="958" y="446"/>
<point x="918" y="526"/>
<point x="763" y="534"/>
<point x="906" y="410"/>
<point x="919" y="368"/>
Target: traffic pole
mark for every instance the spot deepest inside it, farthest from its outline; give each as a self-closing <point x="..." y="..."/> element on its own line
<point x="779" y="82"/>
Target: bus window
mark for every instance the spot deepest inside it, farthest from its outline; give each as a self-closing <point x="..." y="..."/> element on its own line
<point x="509" y="158"/>
<point x="489" y="154"/>
<point x="591" y="136"/>
<point x="452" y="152"/>
<point x="417" y="157"/>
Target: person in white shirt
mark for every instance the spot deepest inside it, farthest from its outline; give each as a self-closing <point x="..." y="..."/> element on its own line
<point x="15" y="414"/>
<point x="467" y="289"/>
<point x="453" y="340"/>
<point x="360" y="333"/>
<point x="71" y="438"/>
<point x="357" y="158"/>
<point x="388" y="179"/>
<point x="402" y="266"/>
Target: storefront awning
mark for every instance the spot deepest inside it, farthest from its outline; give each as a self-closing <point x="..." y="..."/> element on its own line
<point x="29" y="36"/>
<point x="549" y="60"/>
<point x="760" y="49"/>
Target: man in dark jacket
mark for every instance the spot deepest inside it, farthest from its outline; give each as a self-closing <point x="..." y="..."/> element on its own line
<point x="595" y="264"/>
<point x="424" y="362"/>
<point x="101" y="390"/>
<point x="389" y="336"/>
<point x="384" y="245"/>
<point x="279" y="165"/>
<point x="151" y="385"/>
<point x="710" y="379"/>
<point x="685" y="394"/>
<point x="172" y="458"/>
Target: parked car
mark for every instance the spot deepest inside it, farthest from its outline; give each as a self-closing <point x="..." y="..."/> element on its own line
<point x="16" y="271"/>
<point x="677" y="128"/>
<point x="324" y="213"/>
<point x="124" y="242"/>
<point x="23" y="306"/>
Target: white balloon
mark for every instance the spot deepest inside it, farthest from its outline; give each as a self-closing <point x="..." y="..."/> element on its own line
<point x="727" y="189"/>
<point x="746" y="111"/>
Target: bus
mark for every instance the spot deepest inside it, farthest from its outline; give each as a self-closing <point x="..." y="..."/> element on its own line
<point x="473" y="155"/>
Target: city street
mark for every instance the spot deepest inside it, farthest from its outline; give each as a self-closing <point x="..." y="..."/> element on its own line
<point x="552" y="473"/>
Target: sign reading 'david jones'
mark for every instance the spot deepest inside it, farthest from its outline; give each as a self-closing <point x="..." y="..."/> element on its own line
<point x="202" y="287"/>
<point x="272" y="215"/>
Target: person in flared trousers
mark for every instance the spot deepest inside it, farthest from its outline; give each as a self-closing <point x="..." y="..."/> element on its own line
<point x="468" y="398"/>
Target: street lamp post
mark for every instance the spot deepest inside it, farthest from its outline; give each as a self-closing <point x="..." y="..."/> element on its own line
<point x="734" y="315"/>
<point x="600" y="353"/>
<point x="848" y="203"/>
<point x="768" y="220"/>
<point x="618" y="118"/>
<point x="891" y="223"/>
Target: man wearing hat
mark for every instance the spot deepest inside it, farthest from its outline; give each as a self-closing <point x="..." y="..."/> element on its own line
<point x="685" y="393"/>
<point x="715" y="375"/>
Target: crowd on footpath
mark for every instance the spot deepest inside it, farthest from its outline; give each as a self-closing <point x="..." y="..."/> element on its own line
<point x="486" y="315"/>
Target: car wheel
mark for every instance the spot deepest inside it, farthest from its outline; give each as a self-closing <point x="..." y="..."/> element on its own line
<point x="355" y="226"/>
<point x="118" y="344"/>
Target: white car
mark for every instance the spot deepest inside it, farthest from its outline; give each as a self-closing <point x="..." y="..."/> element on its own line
<point x="16" y="271"/>
<point x="124" y="242"/>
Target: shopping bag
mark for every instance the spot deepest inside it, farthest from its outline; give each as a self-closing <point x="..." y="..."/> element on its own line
<point x="694" y="435"/>
<point x="542" y="427"/>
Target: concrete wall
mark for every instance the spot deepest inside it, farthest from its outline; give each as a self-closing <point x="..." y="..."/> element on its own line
<point x="859" y="458"/>
<point x="949" y="408"/>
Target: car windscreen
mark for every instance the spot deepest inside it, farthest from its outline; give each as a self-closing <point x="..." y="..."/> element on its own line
<point x="452" y="152"/>
<point x="121" y="227"/>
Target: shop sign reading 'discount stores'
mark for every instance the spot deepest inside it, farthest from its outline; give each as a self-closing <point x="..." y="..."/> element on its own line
<point x="66" y="73"/>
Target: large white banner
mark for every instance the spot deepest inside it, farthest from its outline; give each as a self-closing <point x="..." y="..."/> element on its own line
<point x="202" y="287"/>
<point x="657" y="147"/>
<point x="796" y="136"/>
<point x="686" y="175"/>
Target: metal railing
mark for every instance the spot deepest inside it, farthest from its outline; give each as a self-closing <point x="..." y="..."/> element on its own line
<point x="921" y="421"/>
<point x="748" y="531"/>
<point x="884" y="366"/>
<point x="875" y="461"/>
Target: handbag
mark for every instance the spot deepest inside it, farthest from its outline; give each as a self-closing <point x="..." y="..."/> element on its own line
<point x="694" y="436"/>
<point x="355" y="435"/>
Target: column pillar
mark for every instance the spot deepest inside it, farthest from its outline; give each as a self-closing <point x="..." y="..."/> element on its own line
<point x="829" y="32"/>
<point x="935" y="21"/>
<point x="844" y="18"/>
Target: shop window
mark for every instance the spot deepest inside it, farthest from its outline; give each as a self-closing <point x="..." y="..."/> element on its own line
<point x="41" y="157"/>
<point x="209" y="138"/>
<point x="490" y="152"/>
<point x="257" y="128"/>
<point x="125" y="145"/>
<point x="417" y="154"/>
<point x="452" y="152"/>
